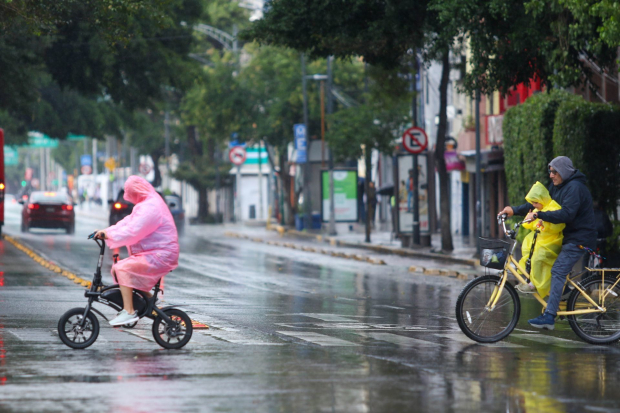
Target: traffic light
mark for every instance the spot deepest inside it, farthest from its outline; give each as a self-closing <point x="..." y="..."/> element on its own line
<point x="24" y="183"/>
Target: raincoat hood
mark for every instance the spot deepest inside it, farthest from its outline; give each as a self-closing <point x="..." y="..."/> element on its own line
<point x="137" y="189"/>
<point x="538" y="193"/>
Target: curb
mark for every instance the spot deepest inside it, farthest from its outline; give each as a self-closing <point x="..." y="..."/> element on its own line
<point x="379" y="248"/>
<point x="65" y="273"/>
<point x="358" y="257"/>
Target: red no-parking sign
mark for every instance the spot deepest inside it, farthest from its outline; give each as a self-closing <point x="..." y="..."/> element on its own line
<point x="237" y="155"/>
<point x="415" y="140"/>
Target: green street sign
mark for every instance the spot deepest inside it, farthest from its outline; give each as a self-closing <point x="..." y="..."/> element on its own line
<point x="253" y="155"/>
<point x="72" y="137"/>
<point x="40" y="140"/>
<point x="11" y="156"/>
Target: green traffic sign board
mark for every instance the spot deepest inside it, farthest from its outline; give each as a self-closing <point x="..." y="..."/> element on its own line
<point x="72" y="137"/>
<point x="41" y="140"/>
<point x="11" y="156"/>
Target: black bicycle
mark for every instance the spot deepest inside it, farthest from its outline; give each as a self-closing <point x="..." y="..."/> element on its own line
<point x="78" y="328"/>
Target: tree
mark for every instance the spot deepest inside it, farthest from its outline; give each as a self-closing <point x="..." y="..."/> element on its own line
<point x="122" y="50"/>
<point x="215" y="108"/>
<point x="513" y="42"/>
<point x="385" y="34"/>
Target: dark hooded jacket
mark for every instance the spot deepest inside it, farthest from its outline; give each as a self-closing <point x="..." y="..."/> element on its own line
<point x="577" y="213"/>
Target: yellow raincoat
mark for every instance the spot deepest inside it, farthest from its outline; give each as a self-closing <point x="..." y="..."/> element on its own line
<point x="548" y="243"/>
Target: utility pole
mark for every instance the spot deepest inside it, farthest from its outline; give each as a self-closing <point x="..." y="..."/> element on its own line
<point x="307" y="208"/>
<point x="416" y="206"/>
<point x="260" y="181"/>
<point x="95" y="160"/>
<point x="330" y="109"/>
<point x="478" y="173"/>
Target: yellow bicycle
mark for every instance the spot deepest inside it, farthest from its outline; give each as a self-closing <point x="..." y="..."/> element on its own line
<point x="488" y="308"/>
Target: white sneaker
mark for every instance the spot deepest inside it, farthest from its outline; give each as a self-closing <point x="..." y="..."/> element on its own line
<point x="526" y="288"/>
<point x="124" y="318"/>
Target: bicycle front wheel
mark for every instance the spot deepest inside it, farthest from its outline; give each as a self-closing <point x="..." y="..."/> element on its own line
<point x="596" y="328"/>
<point x="480" y="322"/>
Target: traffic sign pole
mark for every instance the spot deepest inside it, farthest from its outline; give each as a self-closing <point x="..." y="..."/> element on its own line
<point x="415" y="141"/>
<point x="237" y="156"/>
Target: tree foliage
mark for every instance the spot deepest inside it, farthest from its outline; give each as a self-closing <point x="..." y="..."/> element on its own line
<point x="513" y="42"/>
<point x="381" y="32"/>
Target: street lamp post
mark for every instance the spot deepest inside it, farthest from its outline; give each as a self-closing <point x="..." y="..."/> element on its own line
<point x="330" y="109"/>
<point x="322" y="79"/>
<point x="308" y="210"/>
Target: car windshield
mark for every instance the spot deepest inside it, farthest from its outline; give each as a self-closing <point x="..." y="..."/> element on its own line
<point x="49" y="197"/>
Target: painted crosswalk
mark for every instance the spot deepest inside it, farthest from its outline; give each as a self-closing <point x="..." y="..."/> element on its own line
<point x="554" y="341"/>
<point x="402" y="341"/>
<point x="329" y="330"/>
<point x="317" y="338"/>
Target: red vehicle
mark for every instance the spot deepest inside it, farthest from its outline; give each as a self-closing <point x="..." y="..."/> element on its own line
<point x="48" y="210"/>
<point x="1" y="179"/>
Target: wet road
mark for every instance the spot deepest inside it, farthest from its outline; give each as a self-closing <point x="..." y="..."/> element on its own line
<point x="291" y="331"/>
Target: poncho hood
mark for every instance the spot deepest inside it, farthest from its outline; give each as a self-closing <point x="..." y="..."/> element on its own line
<point x="539" y="194"/>
<point x="137" y="189"/>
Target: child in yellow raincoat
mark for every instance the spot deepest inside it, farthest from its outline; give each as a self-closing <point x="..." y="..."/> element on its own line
<point x="548" y="242"/>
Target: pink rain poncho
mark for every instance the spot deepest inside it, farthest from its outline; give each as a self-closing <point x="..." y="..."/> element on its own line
<point x="149" y="234"/>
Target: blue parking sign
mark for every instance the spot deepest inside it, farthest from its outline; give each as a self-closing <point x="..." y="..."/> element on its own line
<point x="301" y="142"/>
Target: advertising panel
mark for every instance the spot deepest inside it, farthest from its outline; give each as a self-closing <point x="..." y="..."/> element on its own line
<point x="345" y="195"/>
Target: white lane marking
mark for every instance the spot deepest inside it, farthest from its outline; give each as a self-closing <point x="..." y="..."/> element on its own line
<point x="389" y="306"/>
<point x="402" y="341"/>
<point x="142" y="334"/>
<point x="225" y="331"/>
<point x="526" y="331"/>
<point x="332" y="317"/>
<point x="320" y="339"/>
<point x="554" y="341"/>
<point x="462" y="338"/>
<point x="236" y="337"/>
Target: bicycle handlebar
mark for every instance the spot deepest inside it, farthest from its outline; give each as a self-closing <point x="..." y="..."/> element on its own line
<point x="501" y="219"/>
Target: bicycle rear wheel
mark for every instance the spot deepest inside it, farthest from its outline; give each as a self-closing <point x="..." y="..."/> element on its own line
<point x="596" y="328"/>
<point x="480" y="323"/>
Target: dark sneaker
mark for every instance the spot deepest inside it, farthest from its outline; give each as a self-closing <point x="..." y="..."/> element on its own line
<point x="545" y="321"/>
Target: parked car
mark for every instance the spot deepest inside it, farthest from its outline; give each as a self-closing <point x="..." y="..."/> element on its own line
<point x="175" y="204"/>
<point x="48" y="210"/>
<point x="120" y="208"/>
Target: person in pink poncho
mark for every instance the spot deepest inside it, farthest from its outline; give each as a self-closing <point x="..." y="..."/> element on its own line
<point x="150" y="235"/>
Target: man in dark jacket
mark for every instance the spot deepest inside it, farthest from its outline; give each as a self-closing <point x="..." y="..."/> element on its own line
<point x="570" y="191"/>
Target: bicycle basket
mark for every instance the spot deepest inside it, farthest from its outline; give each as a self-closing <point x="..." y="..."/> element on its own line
<point x="493" y="253"/>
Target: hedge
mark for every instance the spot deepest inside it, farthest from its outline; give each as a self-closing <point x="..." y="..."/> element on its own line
<point x="528" y="141"/>
<point x="589" y="134"/>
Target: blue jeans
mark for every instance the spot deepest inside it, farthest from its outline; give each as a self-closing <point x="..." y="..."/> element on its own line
<point x="409" y="200"/>
<point x="568" y="257"/>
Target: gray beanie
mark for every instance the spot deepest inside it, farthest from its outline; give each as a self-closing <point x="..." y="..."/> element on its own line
<point x="564" y="166"/>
